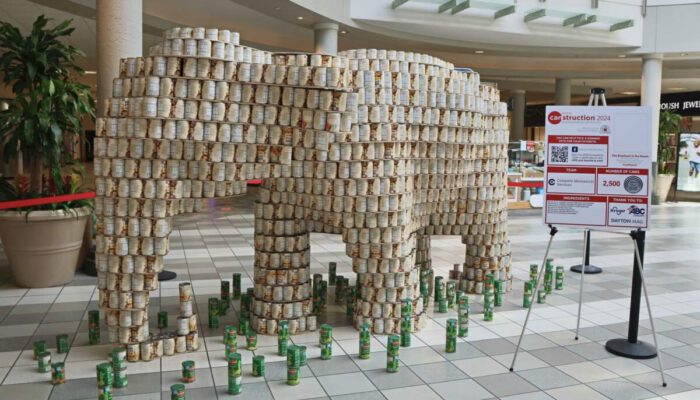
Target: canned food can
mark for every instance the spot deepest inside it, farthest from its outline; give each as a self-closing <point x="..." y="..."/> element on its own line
<point x="527" y="294"/>
<point x="332" y="273"/>
<point x="118" y="355"/>
<point x="120" y="379"/>
<point x="105" y="374"/>
<point x="252" y="340"/>
<point x="302" y="355"/>
<point x="259" y="366"/>
<point x="488" y="312"/>
<point x="39" y="347"/>
<point x="326" y="351"/>
<point x="177" y="392"/>
<point x="235" y="385"/>
<point x="437" y="294"/>
<point x="541" y="296"/>
<point x="162" y="319"/>
<point x="560" y="278"/>
<point x="230" y="335"/>
<point x="58" y="373"/>
<point x="325" y="334"/>
<point x="293" y="356"/>
<point x="213" y="321"/>
<point x="293" y="375"/>
<point x="62" y="345"/>
<point x="392" y="363"/>
<point x="442" y="305"/>
<point x="234" y="364"/>
<point x="243" y="326"/>
<point x="282" y="346"/>
<point x="451" y="344"/>
<point x="44" y="362"/>
<point x="188" y="371"/>
<point x="236" y="286"/>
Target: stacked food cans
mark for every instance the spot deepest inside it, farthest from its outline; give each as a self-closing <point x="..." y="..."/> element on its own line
<point x="94" y="327"/>
<point x="332" y="271"/>
<point x="384" y="147"/>
<point x="235" y="368"/>
<point x="230" y="340"/>
<point x="293" y="365"/>
<point x="282" y="338"/>
<point x="406" y="312"/>
<point x="451" y="336"/>
<point x="365" y="342"/>
<point x="488" y="298"/>
<point x="560" y="278"/>
<point x="463" y="315"/>
<point x="325" y="341"/>
<point x="118" y="356"/>
<point x="527" y="294"/>
<point x="236" y="281"/>
<point x="548" y="278"/>
<point x="105" y="380"/>
<point x="213" y="316"/>
<point x="392" y="353"/>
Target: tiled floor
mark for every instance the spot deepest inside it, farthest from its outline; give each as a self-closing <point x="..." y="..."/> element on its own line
<point x="552" y="365"/>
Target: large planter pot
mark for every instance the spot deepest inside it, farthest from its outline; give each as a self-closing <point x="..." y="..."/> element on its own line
<point x="43" y="249"/>
<point x="662" y="186"/>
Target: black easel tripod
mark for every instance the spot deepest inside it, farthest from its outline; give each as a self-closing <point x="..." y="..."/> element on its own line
<point x="597" y="98"/>
<point x="630" y="347"/>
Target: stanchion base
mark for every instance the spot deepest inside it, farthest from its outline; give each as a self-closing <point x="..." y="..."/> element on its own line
<point x="590" y="269"/>
<point x="166" y="275"/>
<point x="624" y="348"/>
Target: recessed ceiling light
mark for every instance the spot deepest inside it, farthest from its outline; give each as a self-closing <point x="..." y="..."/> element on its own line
<point x="628" y="93"/>
<point x="622" y="55"/>
<point x="300" y="17"/>
<point x="479" y="51"/>
<point x="90" y="72"/>
<point x="684" y="54"/>
<point x="677" y="88"/>
<point x="343" y="32"/>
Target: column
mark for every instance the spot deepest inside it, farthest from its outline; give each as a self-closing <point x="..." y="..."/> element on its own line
<point x="562" y="92"/>
<point x="326" y="38"/>
<point x="119" y="35"/>
<point x="517" y="118"/>
<point x="651" y="95"/>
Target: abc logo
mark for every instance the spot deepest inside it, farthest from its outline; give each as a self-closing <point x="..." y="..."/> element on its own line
<point x="554" y="117"/>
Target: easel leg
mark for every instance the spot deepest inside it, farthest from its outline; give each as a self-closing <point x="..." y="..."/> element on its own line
<point x="651" y="319"/>
<point x="580" y="287"/>
<point x="552" y="231"/>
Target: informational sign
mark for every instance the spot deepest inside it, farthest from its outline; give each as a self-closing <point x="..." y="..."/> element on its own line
<point x="598" y="163"/>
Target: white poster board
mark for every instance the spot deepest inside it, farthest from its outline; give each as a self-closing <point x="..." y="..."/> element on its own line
<point x="598" y="167"/>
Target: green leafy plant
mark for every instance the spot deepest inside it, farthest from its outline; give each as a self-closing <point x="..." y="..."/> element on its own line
<point x="48" y="106"/>
<point x="669" y="125"/>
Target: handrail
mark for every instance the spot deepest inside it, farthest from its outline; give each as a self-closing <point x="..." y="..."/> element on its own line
<point x="4" y="205"/>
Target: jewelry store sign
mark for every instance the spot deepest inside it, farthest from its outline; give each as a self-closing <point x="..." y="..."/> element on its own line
<point x="598" y="166"/>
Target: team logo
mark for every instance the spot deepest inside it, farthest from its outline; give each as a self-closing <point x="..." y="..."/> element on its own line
<point x="634" y="210"/>
<point x="551" y="181"/>
<point x="554" y="117"/>
<point x="633" y="184"/>
<point x="617" y="211"/>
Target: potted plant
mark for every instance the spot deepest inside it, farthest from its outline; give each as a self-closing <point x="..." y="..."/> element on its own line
<point x="669" y="125"/>
<point x="42" y="243"/>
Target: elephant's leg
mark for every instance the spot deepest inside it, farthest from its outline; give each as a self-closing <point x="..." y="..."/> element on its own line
<point x="424" y="262"/>
<point x="387" y="274"/>
<point x="282" y="285"/>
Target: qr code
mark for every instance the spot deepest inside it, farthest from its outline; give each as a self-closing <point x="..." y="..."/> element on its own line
<point x="560" y="154"/>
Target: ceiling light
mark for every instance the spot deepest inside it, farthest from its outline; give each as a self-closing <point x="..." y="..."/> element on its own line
<point x="90" y="72"/>
<point x="343" y="32"/>
<point x="628" y="93"/>
<point x="479" y="52"/>
<point x="622" y="55"/>
<point x="300" y="18"/>
<point x="684" y="54"/>
<point x="677" y="88"/>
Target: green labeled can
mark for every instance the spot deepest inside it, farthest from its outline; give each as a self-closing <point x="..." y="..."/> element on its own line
<point x="236" y="286"/>
<point x="392" y="363"/>
<point x="488" y="313"/>
<point x="162" y="319"/>
<point x="105" y="374"/>
<point x="293" y="356"/>
<point x="393" y="344"/>
<point x="188" y="371"/>
<point x="326" y="351"/>
<point x="118" y="356"/>
<point x="324" y="294"/>
<point x="39" y="347"/>
<point x="406" y="332"/>
<point x="527" y="294"/>
<point x="259" y="366"/>
<point x="437" y="294"/>
<point x="213" y="321"/>
<point x="442" y="305"/>
<point x="230" y="349"/>
<point x="534" y="268"/>
<point x="251" y="340"/>
<point x="302" y="355"/>
<point x="213" y="305"/>
<point x="332" y="269"/>
<point x="365" y="342"/>
<point x="62" y="345"/>
<point x="235" y="385"/>
<point x="406" y="307"/>
<point x="282" y="346"/>
<point x="541" y="297"/>
<point x="325" y="334"/>
<point x="283" y="329"/>
<point x="230" y="335"/>
<point x="234" y="364"/>
<point x="120" y="379"/>
<point x="177" y="392"/>
<point x="243" y="326"/>
<point x="225" y="291"/>
<point x="560" y="278"/>
<point x="550" y="261"/>
<point x="58" y="373"/>
<point x="451" y="289"/>
<point x="44" y="362"/>
<point x="499" y="290"/>
<point x="293" y="375"/>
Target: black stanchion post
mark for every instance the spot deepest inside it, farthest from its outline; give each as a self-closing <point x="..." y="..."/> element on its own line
<point x="588" y="268"/>
<point x="631" y="347"/>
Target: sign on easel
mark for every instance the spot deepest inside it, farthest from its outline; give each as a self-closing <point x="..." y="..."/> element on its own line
<point x="598" y="167"/>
